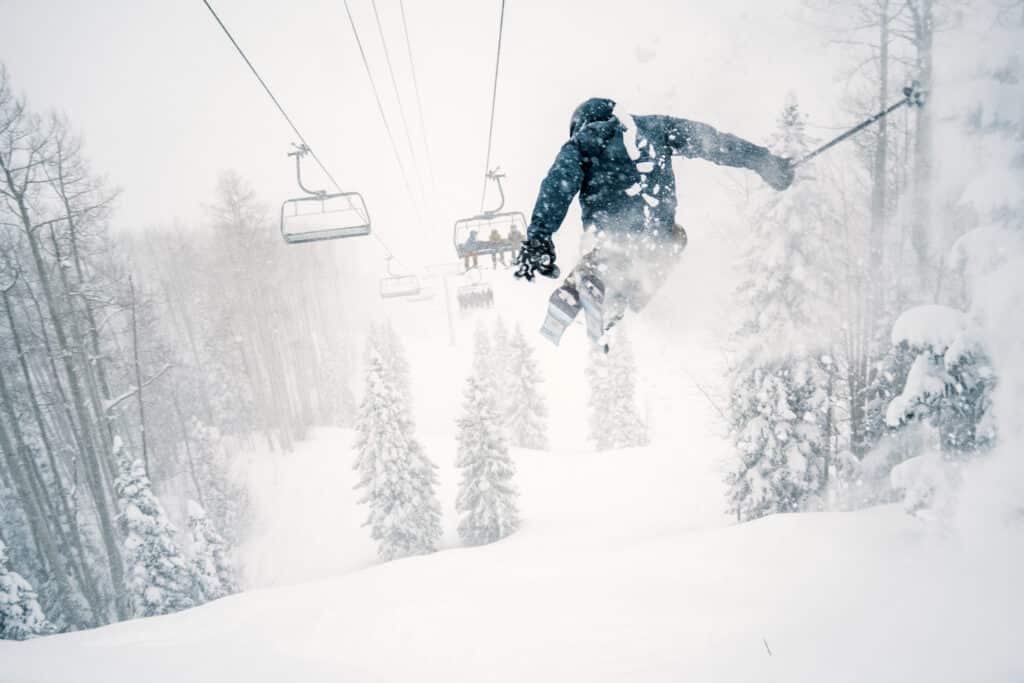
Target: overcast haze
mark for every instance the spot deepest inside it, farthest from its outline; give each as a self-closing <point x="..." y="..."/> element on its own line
<point x="165" y="103"/>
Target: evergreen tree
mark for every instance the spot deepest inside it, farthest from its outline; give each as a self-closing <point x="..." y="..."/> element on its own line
<point x="614" y="419"/>
<point x="20" y="614"/>
<point x="159" y="579"/>
<point x="501" y="360"/>
<point x="780" y="403"/>
<point x="950" y="382"/>
<point x="486" y="497"/>
<point x="221" y="496"/>
<point x="210" y="555"/>
<point x="772" y="470"/>
<point x="527" y="412"/>
<point x="397" y="478"/>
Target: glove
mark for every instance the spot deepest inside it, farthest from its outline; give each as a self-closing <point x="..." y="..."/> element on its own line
<point x="536" y="255"/>
<point x="776" y="171"/>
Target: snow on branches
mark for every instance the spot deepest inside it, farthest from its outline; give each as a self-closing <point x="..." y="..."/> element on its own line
<point x="159" y="578"/>
<point x="950" y="381"/>
<point x="526" y="414"/>
<point x="614" y="419"/>
<point x="20" y="614"/>
<point x="487" y="496"/>
<point x="397" y="478"/>
<point x="210" y="555"/>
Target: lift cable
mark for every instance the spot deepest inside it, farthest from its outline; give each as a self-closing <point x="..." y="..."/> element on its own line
<point x="419" y="99"/>
<point x="289" y="120"/>
<point x="273" y="99"/>
<point x="398" y="97"/>
<point x="494" y="101"/>
<point x="380" y="109"/>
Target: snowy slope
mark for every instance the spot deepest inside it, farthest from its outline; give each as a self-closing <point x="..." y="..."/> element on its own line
<point x="625" y="569"/>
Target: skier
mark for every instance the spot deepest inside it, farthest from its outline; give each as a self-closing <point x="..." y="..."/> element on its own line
<point x="621" y="166"/>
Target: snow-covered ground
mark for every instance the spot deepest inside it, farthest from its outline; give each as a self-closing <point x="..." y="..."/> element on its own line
<point x="625" y="569"/>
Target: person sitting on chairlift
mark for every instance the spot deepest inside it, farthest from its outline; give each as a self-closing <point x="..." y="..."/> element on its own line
<point x="497" y="247"/>
<point x="470" y="247"/>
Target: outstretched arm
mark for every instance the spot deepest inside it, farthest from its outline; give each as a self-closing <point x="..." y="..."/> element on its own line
<point x="556" y="192"/>
<point x="694" y="139"/>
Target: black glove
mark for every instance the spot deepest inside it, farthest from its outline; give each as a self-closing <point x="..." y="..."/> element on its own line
<point x="776" y="171"/>
<point x="536" y="255"/>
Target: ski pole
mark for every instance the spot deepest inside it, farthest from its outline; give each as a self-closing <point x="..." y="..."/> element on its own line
<point x="913" y="96"/>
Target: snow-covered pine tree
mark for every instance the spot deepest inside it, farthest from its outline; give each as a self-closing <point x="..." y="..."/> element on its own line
<point x="210" y="555"/>
<point x="501" y="359"/>
<point x="501" y="347"/>
<point x="772" y="465"/>
<point x="950" y="382"/>
<point x="224" y="499"/>
<point x="779" y="403"/>
<point x="526" y="411"/>
<point x="486" y="497"/>
<point x="21" y="616"/>
<point x="397" y="478"/>
<point x="614" y="419"/>
<point x="159" y="578"/>
<point x="394" y="357"/>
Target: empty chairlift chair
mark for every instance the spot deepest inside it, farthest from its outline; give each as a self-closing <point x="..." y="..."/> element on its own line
<point x="396" y="286"/>
<point x="322" y="215"/>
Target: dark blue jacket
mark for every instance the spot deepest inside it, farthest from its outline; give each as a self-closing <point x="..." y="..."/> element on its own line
<point x="622" y="169"/>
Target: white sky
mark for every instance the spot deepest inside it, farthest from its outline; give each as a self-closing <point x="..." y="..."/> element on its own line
<point x="165" y="103"/>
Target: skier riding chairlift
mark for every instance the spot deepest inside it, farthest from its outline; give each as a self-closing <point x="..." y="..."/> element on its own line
<point x="500" y="228"/>
<point x="621" y="166"/>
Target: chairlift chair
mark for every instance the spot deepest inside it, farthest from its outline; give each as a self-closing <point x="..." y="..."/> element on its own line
<point x="321" y="215"/>
<point x="395" y="286"/>
<point x="475" y="295"/>
<point x="492" y="233"/>
<point x="426" y="294"/>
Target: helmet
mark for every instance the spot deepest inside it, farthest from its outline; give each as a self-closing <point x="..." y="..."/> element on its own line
<point x="594" y="109"/>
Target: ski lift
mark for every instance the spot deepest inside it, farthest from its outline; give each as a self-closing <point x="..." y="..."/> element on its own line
<point x="394" y="286"/>
<point x="477" y="295"/>
<point x="492" y="233"/>
<point x="426" y="294"/>
<point x="321" y="215"/>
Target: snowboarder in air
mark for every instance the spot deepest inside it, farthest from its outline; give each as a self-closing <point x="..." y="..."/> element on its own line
<point x="621" y="166"/>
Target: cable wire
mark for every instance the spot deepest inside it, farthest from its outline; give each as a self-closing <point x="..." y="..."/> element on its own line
<point x="419" y="99"/>
<point x="270" y="94"/>
<point x="398" y="97"/>
<point x="291" y="123"/>
<point x="494" y="102"/>
<point x="380" y="109"/>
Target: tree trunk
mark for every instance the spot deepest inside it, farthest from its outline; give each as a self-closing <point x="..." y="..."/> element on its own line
<point x="85" y="577"/>
<point x="33" y="504"/>
<point x="89" y="455"/>
<point x="921" y="225"/>
<point x="138" y="380"/>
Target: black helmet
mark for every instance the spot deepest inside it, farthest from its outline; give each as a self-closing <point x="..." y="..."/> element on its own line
<point x="594" y="109"/>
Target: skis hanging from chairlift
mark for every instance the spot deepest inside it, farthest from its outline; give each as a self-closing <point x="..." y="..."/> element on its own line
<point x="492" y="233"/>
<point x="321" y="215"/>
<point x="476" y="295"/>
<point x="394" y="286"/>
